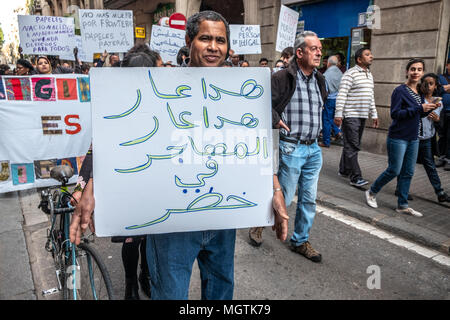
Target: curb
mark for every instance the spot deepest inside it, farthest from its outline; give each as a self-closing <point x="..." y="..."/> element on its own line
<point x="396" y="225"/>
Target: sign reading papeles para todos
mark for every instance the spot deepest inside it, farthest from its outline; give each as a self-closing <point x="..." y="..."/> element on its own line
<point x="181" y="149"/>
<point x="44" y="121"/>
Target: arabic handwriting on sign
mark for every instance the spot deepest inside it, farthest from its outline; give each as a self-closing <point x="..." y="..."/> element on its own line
<point x="128" y="112"/>
<point x="247" y="120"/>
<point x="255" y="91"/>
<point x="158" y="32"/>
<point x="192" y="207"/>
<point x="210" y="164"/>
<point x="144" y="138"/>
<point x="184" y="123"/>
<point x="150" y="159"/>
<point x="179" y="90"/>
<point x="240" y="150"/>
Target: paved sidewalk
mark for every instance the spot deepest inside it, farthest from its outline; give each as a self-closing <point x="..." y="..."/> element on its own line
<point x="432" y="230"/>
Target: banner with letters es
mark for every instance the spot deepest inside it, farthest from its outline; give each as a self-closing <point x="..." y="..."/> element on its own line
<point x="45" y="121"/>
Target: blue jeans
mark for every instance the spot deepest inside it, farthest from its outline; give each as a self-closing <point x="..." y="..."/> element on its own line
<point x="170" y="257"/>
<point x="328" y="121"/>
<point x="300" y="165"/>
<point x="402" y="157"/>
<point x="427" y="159"/>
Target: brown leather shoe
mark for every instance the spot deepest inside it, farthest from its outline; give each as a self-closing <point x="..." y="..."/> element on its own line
<point x="305" y="249"/>
<point x="323" y="145"/>
<point x="255" y="235"/>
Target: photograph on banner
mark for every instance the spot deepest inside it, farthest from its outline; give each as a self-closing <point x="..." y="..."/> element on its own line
<point x="110" y="30"/>
<point x="51" y="126"/>
<point x="245" y="39"/>
<point x="81" y="54"/>
<point x="167" y="42"/>
<point x="287" y="28"/>
<point x="181" y="149"/>
<point x="45" y="35"/>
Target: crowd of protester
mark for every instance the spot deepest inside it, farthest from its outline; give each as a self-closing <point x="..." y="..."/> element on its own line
<point x="342" y="101"/>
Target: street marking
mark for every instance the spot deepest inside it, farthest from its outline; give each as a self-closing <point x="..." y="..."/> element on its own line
<point x="360" y="225"/>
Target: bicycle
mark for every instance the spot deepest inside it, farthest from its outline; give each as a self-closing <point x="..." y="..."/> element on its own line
<point x="80" y="272"/>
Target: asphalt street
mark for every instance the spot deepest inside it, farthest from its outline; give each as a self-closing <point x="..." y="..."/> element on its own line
<point x="274" y="272"/>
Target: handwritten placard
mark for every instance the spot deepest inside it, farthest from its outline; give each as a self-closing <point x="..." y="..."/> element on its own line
<point x="245" y="39"/>
<point x="46" y="35"/>
<point x="287" y="27"/>
<point x="110" y="30"/>
<point x="167" y="42"/>
<point x="81" y="54"/>
<point x="181" y="149"/>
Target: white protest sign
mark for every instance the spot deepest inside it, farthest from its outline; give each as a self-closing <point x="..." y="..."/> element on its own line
<point x="287" y="27"/>
<point x="110" y="30"/>
<point x="167" y="42"/>
<point x="43" y="35"/>
<point x="181" y="149"/>
<point x="81" y="54"/>
<point x="45" y="121"/>
<point x="245" y="39"/>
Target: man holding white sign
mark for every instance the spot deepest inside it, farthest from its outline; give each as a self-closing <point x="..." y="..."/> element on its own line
<point x="171" y="255"/>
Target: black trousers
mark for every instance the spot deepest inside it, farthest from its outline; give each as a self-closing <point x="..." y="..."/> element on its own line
<point x="352" y="128"/>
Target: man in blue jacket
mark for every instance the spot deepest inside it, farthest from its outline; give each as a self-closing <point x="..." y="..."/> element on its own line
<point x="444" y="141"/>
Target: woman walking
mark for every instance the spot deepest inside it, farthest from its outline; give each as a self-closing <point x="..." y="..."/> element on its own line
<point x="407" y="108"/>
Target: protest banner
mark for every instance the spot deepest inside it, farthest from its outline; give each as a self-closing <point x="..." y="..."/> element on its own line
<point x="110" y="30"/>
<point x="81" y="54"/>
<point x="245" y="39"/>
<point x="167" y="42"/>
<point x="287" y="27"/>
<point x="181" y="149"/>
<point x="44" y="35"/>
<point x="45" y="121"/>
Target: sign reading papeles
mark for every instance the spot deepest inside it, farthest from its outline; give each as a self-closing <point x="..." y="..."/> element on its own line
<point x="167" y="42"/>
<point x="44" y="35"/>
<point x="110" y="30"/>
<point x="181" y="149"/>
<point x="245" y="39"/>
<point x="44" y="121"/>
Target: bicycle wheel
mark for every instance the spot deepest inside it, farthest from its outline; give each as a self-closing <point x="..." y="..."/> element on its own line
<point x="89" y="276"/>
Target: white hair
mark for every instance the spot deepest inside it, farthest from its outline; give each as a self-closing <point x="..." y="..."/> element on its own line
<point x="300" y="40"/>
<point x="333" y="60"/>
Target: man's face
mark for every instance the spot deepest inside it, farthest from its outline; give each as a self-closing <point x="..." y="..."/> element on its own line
<point x="366" y="58"/>
<point x="311" y="55"/>
<point x="263" y="63"/>
<point x="235" y="59"/>
<point x="209" y="47"/>
<point x="113" y="59"/>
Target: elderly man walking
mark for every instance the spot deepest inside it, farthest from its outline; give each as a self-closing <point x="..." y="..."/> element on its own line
<point x="298" y="95"/>
<point x="354" y="102"/>
<point x="333" y="77"/>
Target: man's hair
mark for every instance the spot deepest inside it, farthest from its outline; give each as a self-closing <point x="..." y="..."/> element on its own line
<point x="25" y="63"/>
<point x="263" y="59"/>
<point x="184" y="51"/>
<point x="244" y="61"/>
<point x="333" y="60"/>
<point x="300" y="41"/>
<point x="140" y="56"/>
<point x="359" y="53"/>
<point x="287" y="52"/>
<point x="85" y="67"/>
<point x="193" y="25"/>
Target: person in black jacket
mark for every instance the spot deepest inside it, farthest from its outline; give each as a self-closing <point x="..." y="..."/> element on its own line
<point x="298" y="96"/>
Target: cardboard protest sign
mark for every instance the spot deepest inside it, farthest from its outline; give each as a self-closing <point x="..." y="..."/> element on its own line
<point x="81" y="54"/>
<point x="43" y="35"/>
<point x="287" y="27"/>
<point x="43" y="122"/>
<point x="245" y="39"/>
<point x="167" y="42"/>
<point x="110" y="30"/>
<point x="181" y="149"/>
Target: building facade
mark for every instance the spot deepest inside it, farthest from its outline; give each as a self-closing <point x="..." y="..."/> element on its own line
<point x="401" y="30"/>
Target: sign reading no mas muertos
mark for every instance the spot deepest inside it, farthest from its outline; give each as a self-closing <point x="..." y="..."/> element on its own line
<point x="44" y="35"/>
<point x="110" y="30"/>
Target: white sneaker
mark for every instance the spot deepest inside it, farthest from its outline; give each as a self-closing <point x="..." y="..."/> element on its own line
<point x="371" y="200"/>
<point x="409" y="211"/>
